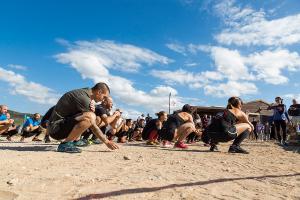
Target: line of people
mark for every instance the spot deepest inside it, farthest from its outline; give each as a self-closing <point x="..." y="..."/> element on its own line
<point x="84" y="116"/>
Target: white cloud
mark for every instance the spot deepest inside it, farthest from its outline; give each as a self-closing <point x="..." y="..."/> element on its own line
<point x="18" y="67"/>
<point x="163" y="90"/>
<point x="35" y="92"/>
<point x="177" y="48"/>
<point x="194" y="48"/>
<point x="209" y="81"/>
<point x="179" y="76"/>
<point x="249" y="27"/>
<point x="92" y="61"/>
<point x="130" y="114"/>
<point x="112" y="55"/>
<point x="230" y="63"/>
<point x="266" y="65"/>
<point x="231" y="67"/>
<point x="231" y="88"/>
<point x="212" y="75"/>
<point x="190" y="79"/>
<point x="191" y="64"/>
<point x="190" y="48"/>
<point x="270" y="64"/>
<point x="292" y="96"/>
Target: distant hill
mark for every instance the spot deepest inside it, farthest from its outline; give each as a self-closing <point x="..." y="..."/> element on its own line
<point x="18" y="117"/>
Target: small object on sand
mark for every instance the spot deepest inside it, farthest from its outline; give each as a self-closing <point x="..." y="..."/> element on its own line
<point x="12" y="182"/>
<point x="127" y="158"/>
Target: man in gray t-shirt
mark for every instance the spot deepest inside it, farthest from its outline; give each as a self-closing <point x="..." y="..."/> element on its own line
<point x="74" y="114"/>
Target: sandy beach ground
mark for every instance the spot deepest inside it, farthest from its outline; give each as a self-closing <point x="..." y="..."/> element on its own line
<point x="35" y="171"/>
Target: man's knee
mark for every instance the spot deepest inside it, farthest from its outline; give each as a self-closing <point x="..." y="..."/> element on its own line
<point x="89" y="117"/>
<point x="249" y="128"/>
<point x="190" y="126"/>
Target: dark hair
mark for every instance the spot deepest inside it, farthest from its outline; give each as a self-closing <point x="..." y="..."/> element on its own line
<point x="233" y="102"/>
<point x="161" y="113"/>
<point x="187" y="108"/>
<point x="101" y="86"/>
<point x="35" y="114"/>
<point x="279" y="99"/>
<point x="128" y="120"/>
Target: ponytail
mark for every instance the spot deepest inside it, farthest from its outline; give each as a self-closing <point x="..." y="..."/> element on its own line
<point x="229" y="106"/>
<point x="161" y="113"/>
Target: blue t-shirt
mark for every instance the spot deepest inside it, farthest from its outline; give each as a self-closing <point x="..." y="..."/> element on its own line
<point x="280" y="113"/>
<point x="32" y="122"/>
<point x="3" y="117"/>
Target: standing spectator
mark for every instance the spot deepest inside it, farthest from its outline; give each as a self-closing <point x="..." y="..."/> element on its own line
<point x="280" y="117"/>
<point x="260" y="130"/>
<point x="254" y="123"/>
<point x="267" y="131"/>
<point x="294" y="111"/>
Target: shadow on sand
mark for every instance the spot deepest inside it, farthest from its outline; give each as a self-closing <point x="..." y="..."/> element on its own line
<point x="29" y="148"/>
<point x="199" y="183"/>
<point x="292" y="147"/>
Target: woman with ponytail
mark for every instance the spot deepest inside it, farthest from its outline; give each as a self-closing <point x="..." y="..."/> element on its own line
<point x="152" y="128"/>
<point x="232" y="124"/>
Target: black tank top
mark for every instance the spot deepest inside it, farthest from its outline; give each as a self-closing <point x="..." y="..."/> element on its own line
<point x="222" y="121"/>
<point x="229" y="117"/>
<point x="175" y="119"/>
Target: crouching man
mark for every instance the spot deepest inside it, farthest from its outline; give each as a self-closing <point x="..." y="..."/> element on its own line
<point x="74" y="114"/>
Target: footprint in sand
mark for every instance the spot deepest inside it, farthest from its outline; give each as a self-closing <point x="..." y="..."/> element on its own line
<point x="5" y="195"/>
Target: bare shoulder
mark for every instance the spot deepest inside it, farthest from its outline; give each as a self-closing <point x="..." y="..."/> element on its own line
<point x="237" y="113"/>
<point x="184" y="115"/>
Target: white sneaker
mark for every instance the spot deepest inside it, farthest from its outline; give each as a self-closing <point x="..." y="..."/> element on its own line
<point x="166" y="144"/>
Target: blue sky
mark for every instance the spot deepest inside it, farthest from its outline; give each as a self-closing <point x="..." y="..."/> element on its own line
<point x="200" y="51"/>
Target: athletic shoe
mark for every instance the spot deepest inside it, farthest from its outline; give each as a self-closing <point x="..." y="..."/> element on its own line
<point x="166" y="144"/>
<point x="87" y="141"/>
<point x="47" y="139"/>
<point x="35" y="139"/>
<point x="22" y="139"/>
<point x="213" y="147"/>
<point x="156" y="142"/>
<point x="284" y="143"/>
<point x="150" y="143"/>
<point x="237" y="149"/>
<point x="80" y="143"/>
<point x="96" y="141"/>
<point x="180" y="145"/>
<point x="68" y="147"/>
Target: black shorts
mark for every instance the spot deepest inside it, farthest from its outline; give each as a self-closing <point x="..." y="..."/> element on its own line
<point x="146" y="133"/>
<point x="121" y="134"/>
<point x="168" y="132"/>
<point x="224" y="135"/>
<point x="61" y="129"/>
